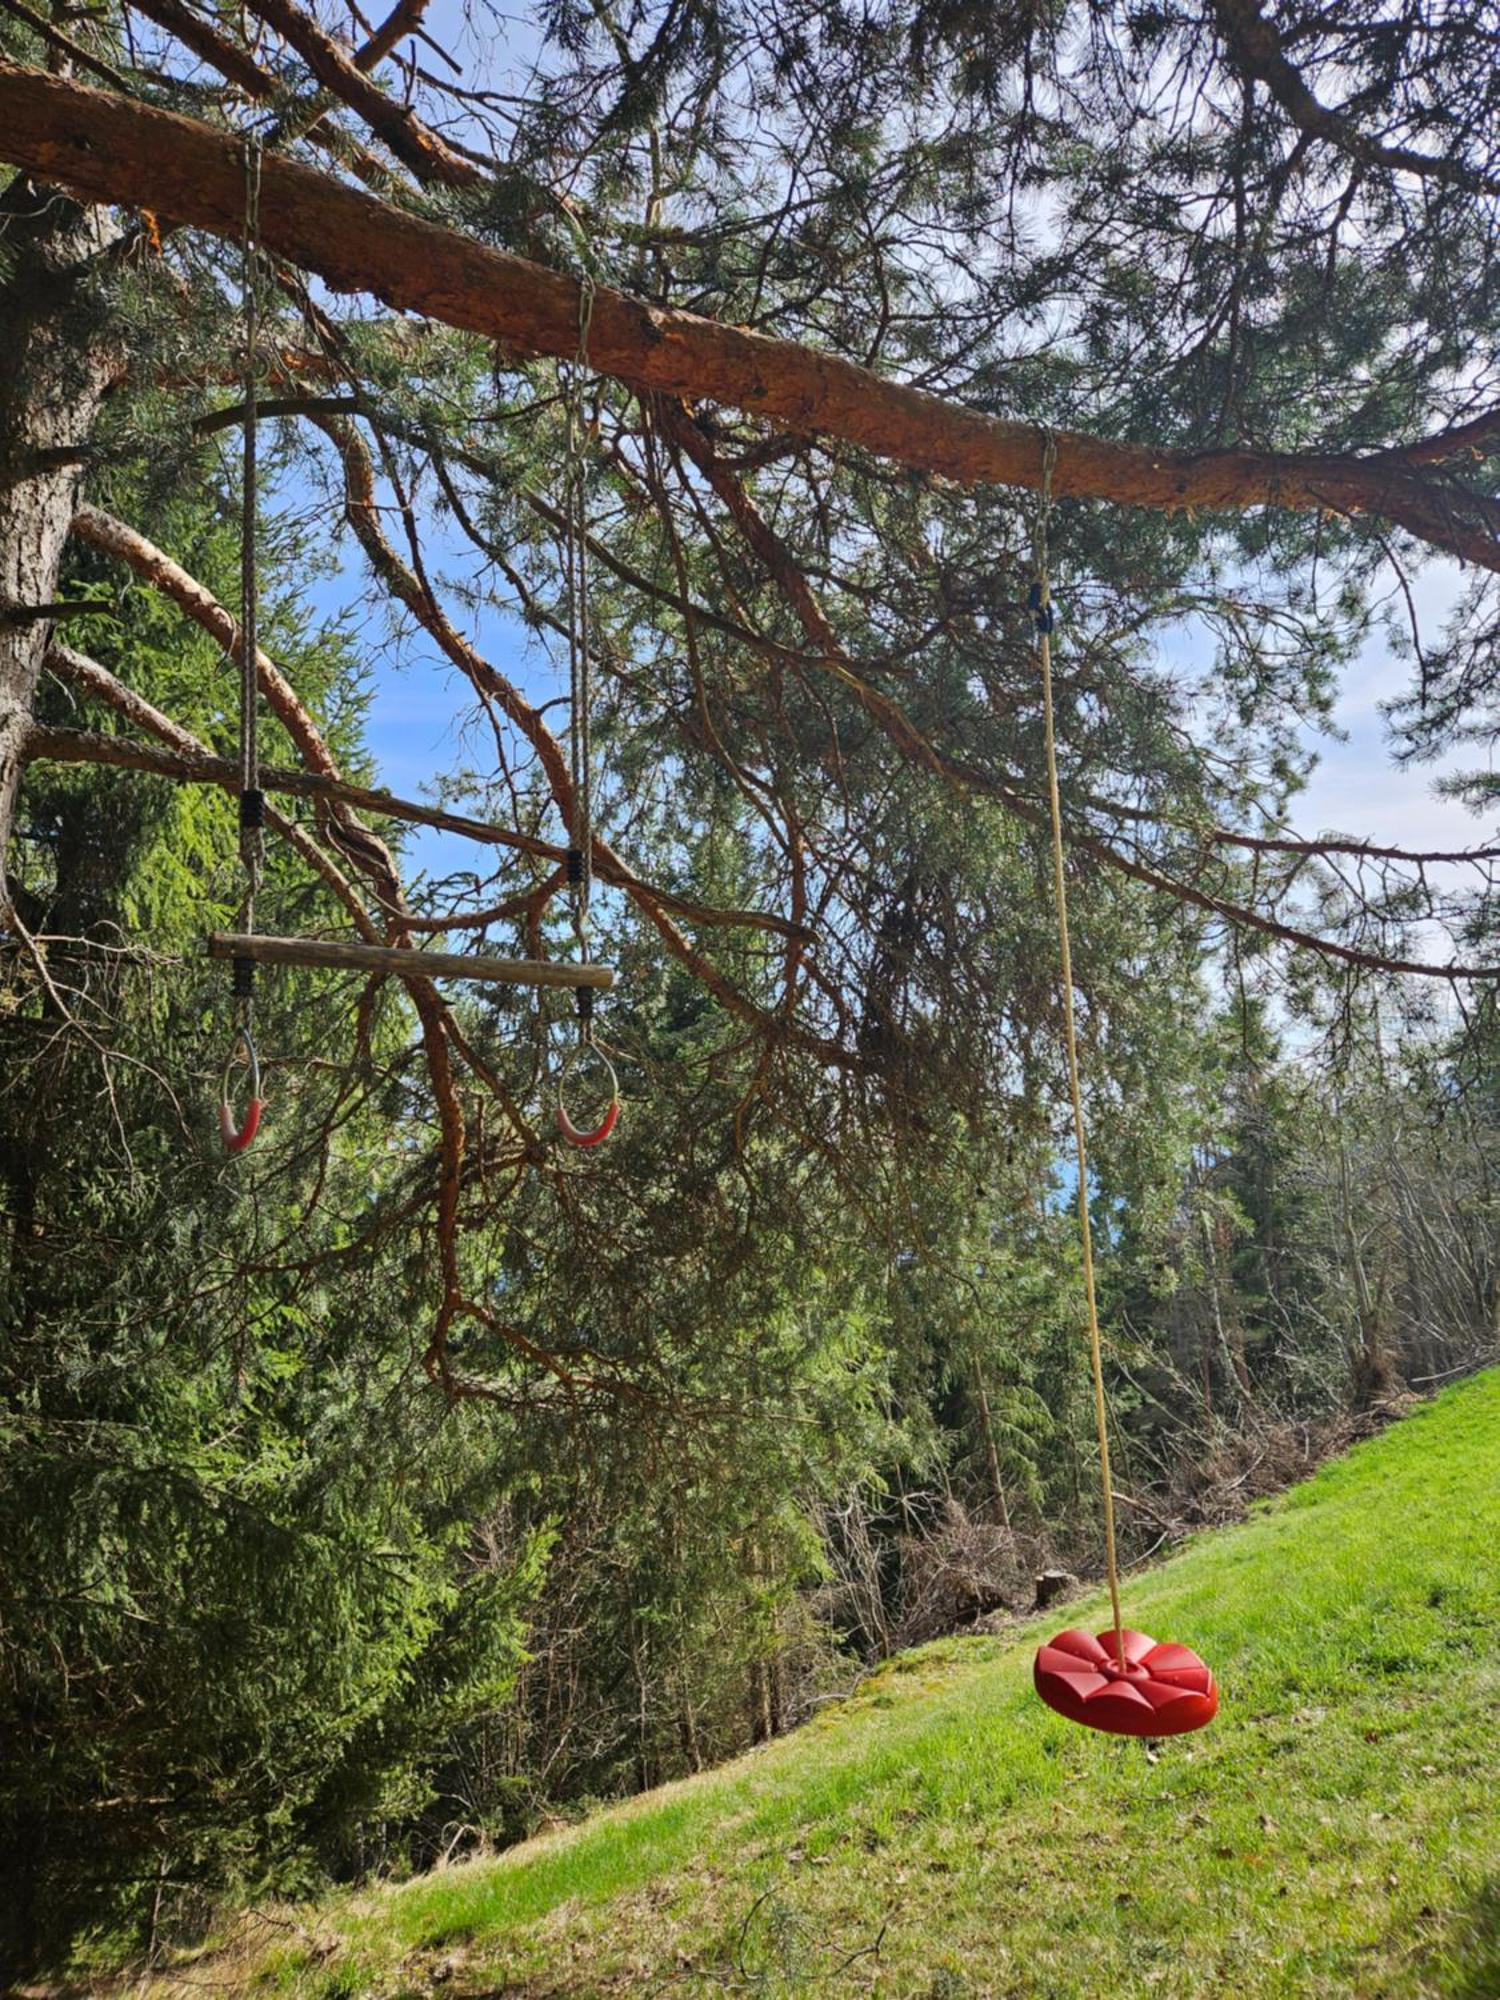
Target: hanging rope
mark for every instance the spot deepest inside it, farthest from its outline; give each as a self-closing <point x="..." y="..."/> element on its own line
<point x="1041" y="605"/>
<point x="581" y="702"/>
<point x="580" y="662"/>
<point x="1147" y="1689"/>
<point x="238" y="1135"/>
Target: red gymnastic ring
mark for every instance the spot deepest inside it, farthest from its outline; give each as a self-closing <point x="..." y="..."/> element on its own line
<point x="1161" y="1691"/>
<point x="576" y="1135"/>
<point x="239" y="1137"/>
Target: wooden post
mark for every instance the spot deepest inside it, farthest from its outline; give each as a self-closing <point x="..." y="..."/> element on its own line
<point x="375" y="960"/>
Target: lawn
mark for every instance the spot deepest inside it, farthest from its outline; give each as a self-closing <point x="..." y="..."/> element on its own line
<point x="1335" y="1832"/>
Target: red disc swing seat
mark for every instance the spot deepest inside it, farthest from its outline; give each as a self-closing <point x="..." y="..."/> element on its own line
<point x="1162" y="1690"/>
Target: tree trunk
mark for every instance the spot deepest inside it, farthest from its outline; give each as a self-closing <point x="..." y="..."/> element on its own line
<point x="57" y="365"/>
<point x="644" y="1775"/>
<point x="991" y="1455"/>
<point x="1233" y="1349"/>
<point x="687" y="1727"/>
<point x="762" y="1728"/>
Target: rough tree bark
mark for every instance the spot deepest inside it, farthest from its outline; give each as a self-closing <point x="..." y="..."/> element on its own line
<point x="58" y="362"/>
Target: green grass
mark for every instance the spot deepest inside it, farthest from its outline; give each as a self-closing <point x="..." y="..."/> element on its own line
<point x="1335" y="1832"/>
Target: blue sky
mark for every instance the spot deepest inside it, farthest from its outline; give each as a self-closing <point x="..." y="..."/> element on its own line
<point x="1357" y="789"/>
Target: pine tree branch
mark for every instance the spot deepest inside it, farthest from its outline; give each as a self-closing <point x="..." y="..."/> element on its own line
<point x="364" y="518"/>
<point x="239" y="67"/>
<point x="65" y="47"/>
<point x="115" y="151"/>
<point x="1257" y="49"/>
<point x="404" y="19"/>
<point x="234" y="64"/>
<point x="344" y="78"/>
<point x="191" y="762"/>
<point x="897" y="726"/>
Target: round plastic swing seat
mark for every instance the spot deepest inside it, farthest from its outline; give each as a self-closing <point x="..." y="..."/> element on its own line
<point x="1163" y="1690"/>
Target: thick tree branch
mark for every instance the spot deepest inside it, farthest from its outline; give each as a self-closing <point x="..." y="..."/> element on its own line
<point x="115" y="151"/>
<point x="404" y="19"/>
<point x="240" y="68"/>
<point x="232" y="62"/>
<point x="68" y="49"/>
<point x="896" y="725"/>
<point x="1465" y="438"/>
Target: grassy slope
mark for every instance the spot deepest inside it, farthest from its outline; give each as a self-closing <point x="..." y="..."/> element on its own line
<point x="1335" y="1832"/>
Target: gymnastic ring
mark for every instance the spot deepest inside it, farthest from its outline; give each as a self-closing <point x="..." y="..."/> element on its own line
<point x="574" y="1135"/>
<point x="239" y="1137"/>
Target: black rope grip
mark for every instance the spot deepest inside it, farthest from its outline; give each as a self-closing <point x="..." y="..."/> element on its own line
<point x="244" y="978"/>
<point x="1042" y="613"/>
<point x="575" y="866"/>
<point x="252" y="808"/>
<point x="584" y="996"/>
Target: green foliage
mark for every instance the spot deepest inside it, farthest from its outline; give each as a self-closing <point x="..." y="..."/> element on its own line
<point x="245" y="1611"/>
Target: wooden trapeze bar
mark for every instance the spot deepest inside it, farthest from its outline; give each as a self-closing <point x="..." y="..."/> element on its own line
<point x="345" y="956"/>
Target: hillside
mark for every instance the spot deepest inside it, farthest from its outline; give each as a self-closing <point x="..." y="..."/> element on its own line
<point x="1336" y="1831"/>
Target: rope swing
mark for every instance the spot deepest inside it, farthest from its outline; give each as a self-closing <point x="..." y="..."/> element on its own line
<point x="1120" y="1681"/>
